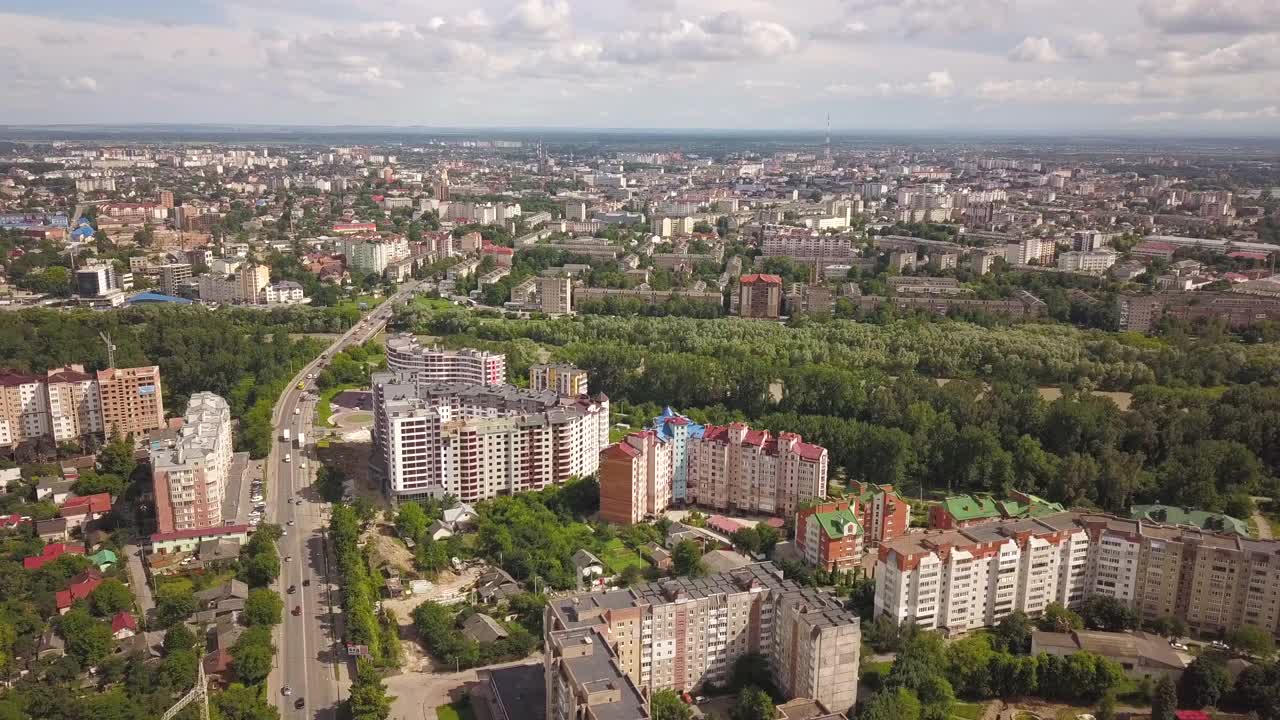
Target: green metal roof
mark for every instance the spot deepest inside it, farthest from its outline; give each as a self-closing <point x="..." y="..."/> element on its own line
<point x="970" y="507"/>
<point x="834" y="522"/>
<point x="1203" y="519"/>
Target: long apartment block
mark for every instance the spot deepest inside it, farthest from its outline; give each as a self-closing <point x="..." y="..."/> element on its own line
<point x="67" y="404"/>
<point x="478" y="441"/>
<point x="682" y="633"/>
<point x="435" y="365"/>
<point x="972" y="577"/>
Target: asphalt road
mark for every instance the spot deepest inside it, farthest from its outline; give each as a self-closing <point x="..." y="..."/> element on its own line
<point x="310" y="660"/>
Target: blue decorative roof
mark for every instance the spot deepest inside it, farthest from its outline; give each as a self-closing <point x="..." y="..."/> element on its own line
<point x="152" y="297"/>
<point x="664" y="430"/>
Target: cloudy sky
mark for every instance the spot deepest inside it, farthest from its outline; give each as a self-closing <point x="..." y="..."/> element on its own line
<point x="1131" y="66"/>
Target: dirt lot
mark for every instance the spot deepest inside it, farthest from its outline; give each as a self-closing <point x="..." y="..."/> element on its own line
<point x="448" y="583"/>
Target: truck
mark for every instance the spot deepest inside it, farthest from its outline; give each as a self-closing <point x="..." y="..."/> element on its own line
<point x="302" y="439"/>
<point x="285" y="435"/>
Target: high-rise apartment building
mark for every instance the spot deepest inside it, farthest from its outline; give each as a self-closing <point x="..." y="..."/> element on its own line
<point x="434" y="365"/>
<point x="97" y="280"/>
<point x="67" y="404"/>
<point x="678" y="431"/>
<point x="172" y="276"/>
<point x="760" y="296"/>
<point x="190" y="470"/>
<point x="682" y="633"/>
<point x="251" y="280"/>
<point x="475" y="442"/>
<point x="373" y="253"/>
<point x="556" y="294"/>
<point x="563" y="379"/>
<point x="75" y="403"/>
<point x="131" y="400"/>
<point x="963" y="579"/>
<point x="883" y="514"/>
<point x="733" y="467"/>
<point x="635" y="478"/>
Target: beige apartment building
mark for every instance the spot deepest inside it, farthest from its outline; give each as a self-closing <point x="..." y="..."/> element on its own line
<point x="733" y="467"/>
<point x="557" y="295"/>
<point x="131" y="400"/>
<point x="635" y="478"/>
<point x="681" y="633"/>
<point x="562" y="378"/>
<point x="66" y="404"/>
<point x="973" y="577"/>
<point x="189" y="469"/>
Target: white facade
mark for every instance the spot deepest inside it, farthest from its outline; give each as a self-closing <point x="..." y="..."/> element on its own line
<point x="1095" y="261"/>
<point x="434" y="365"/>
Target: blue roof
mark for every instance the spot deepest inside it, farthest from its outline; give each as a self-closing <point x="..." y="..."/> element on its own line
<point x="152" y="297"/>
<point x="660" y="424"/>
<point x="83" y="231"/>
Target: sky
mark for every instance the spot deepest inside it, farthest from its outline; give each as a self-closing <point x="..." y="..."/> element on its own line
<point x="1207" y="67"/>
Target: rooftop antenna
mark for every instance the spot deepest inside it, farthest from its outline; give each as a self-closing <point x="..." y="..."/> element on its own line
<point x="111" y="349"/>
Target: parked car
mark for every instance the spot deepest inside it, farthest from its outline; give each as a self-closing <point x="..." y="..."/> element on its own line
<point x="293" y="589"/>
<point x="297" y="610"/>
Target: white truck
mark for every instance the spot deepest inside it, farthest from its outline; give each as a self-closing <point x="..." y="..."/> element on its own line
<point x="302" y="439"/>
<point x="285" y="435"/>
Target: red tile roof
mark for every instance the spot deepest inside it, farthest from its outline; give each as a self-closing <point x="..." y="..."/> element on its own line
<point x="79" y="505"/>
<point x="13" y="378"/>
<point x="123" y="621"/>
<point x="621" y="451"/>
<point x="760" y="279"/>
<point x="51" y="552"/>
<point x="14" y="520"/>
<point x="79" y="589"/>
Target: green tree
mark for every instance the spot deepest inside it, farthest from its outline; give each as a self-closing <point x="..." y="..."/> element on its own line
<point x="178" y="638"/>
<point x="1013" y="633"/>
<point x="117" y="457"/>
<point x="241" y="702"/>
<point x="261" y="569"/>
<point x="88" y="639"/>
<point x="1058" y="618"/>
<point x="968" y="665"/>
<point x="178" y="670"/>
<point x="1251" y="640"/>
<point x="667" y="705"/>
<point x="1102" y="612"/>
<point x="1203" y="683"/>
<point x="1106" y="709"/>
<point x="1165" y="702"/>
<point x="412" y="521"/>
<point x="369" y="699"/>
<point x="753" y="704"/>
<point x="174" y="604"/>
<point x="251" y="657"/>
<point x="263" y="607"/>
<point x="686" y="559"/>
<point x="110" y="597"/>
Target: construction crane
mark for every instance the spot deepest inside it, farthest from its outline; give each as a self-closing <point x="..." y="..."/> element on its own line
<point x="199" y="692"/>
<point x="111" y="349"/>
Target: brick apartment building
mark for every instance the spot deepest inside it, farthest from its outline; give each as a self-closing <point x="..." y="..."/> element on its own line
<point x="760" y="296"/>
<point x="635" y="478"/>
<point x="68" y="404"/>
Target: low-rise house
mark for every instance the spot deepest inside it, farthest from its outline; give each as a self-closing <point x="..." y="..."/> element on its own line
<point x="588" y="565"/>
<point x="49" y="553"/>
<point x="218" y="550"/>
<point x="79" y="511"/>
<point x="51" y="645"/>
<point x="231" y="589"/>
<point x="104" y="559"/>
<point x="658" y="555"/>
<point x="1140" y="654"/>
<point x="55" y="490"/>
<point x="12" y="520"/>
<point x="482" y="628"/>
<point x="494" y="585"/>
<point x="460" y="516"/>
<point x="123" y="625"/>
<point x="52" y="530"/>
<point x="80" y="587"/>
<point x="439" y="530"/>
<point x="10" y="477"/>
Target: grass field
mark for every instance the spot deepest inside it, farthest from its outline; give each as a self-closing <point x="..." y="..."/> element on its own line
<point x="323" y="411"/>
<point x="455" y="711"/>
<point x="431" y="303"/>
<point x="967" y="711"/>
<point x="618" y="557"/>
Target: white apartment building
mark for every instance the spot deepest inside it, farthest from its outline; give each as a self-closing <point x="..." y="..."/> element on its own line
<point x="733" y="467"/>
<point x="1092" y="261"/>
<point x="372" y="253"/>
<point x="75" y="405"/>
<point x="283" y="292"/>
<point x="804" y="243"/>
<point x="475" y="442"/>
<point x="434" y="365"/>
<point x="190" y="469"/>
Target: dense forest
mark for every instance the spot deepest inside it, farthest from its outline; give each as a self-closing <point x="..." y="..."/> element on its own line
<point x="1199" y="429"/>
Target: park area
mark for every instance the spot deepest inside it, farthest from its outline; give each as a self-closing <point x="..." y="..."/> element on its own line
<point x="618" y="557"/>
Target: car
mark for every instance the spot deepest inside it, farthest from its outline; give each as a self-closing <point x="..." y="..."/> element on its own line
<point x="306" y="582"/>
<point x="284" y="533"/>
<point x="297" y="610"/>
<point x="299" y="704"/>
<point x="1178" y="646"/>
<point x="700" y="699"/>
<point x="290" y="523"/>
<point x="292" y="589"/>
<point x="288" y="558"/>
<point x="288" y="457"/>
<point x="286" y="691"/>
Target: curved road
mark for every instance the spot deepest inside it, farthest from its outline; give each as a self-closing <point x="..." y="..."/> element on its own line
<point x="309" y="659"/>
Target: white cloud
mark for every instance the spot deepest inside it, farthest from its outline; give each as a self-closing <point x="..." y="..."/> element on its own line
<point x="1035" y="50"/>
<point x="723" y="37"/>
<point x="1251" y="54"/>
<point x="841" y="31"/>
<point x="1210" y="16"/>
<point x="938" y="84"/>
<point x="1089" y="46"/>
<point x="80" y="84"/>
<point x="539" y="18"/>
<point x="915" y="17"/>
<point x="1058" y="90"/>
<point x="1270" y="112"/>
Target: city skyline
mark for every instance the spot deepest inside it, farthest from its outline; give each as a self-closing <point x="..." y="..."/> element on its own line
<point x="1193" y="67"/>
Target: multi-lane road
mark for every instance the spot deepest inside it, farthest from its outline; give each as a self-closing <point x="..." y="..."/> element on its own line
<point x="310" y="661"/>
